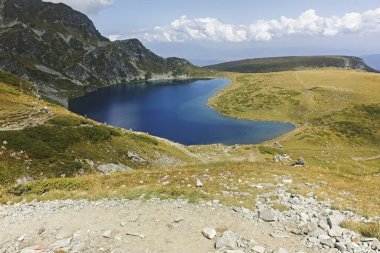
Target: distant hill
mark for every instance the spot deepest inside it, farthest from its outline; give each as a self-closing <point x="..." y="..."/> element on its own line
<point x="61" y="51"/>
<point x="372" y="60"/>
<point x="276" y="64"/>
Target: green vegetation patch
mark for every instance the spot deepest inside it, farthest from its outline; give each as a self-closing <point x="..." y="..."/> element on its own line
<point x="45" y="141"/>
<point x="44" y="186"/>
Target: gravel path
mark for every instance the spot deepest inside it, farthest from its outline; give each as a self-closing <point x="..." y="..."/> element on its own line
<point x="175" y="226"/>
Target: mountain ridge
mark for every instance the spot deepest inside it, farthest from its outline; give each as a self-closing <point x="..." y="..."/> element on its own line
<point x="62" y="52"/>
<point x="277" y="64"/>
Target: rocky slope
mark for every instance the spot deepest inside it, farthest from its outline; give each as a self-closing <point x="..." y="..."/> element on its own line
<point x="276" y="64"/>
<point x="61" y="51"/>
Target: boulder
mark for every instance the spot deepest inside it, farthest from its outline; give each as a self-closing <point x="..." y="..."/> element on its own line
<point x="109" y="168"/>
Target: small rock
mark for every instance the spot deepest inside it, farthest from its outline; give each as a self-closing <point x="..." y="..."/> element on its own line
<point x="280" y="250"/>
<point x="21" y="238"/>
<point x="227" y="241"/>
<point x="328" y="243"/>
<point x="178" y="219"/>
<point x="107" y="234"/>
<point x="375" y="245"/>
<point x="267" y="215"/>
<point x="287" y="181"/>
<point x="41" y="230"/>
<point x="209" y="233"/>
<point x="258" y="249"/>
<point x="61" y="243"/>
<point x="123" y="224"/>
<point x="335" y="220"/>
<point x="199" y="183"/>
<point x="141" y="236"/>
<point x="279" y="235"/>
<point x="335" y="231"/>
<point x="340" y="246"/>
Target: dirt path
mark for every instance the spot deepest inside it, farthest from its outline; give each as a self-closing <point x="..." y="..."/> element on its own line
<point x="103" y="227"/>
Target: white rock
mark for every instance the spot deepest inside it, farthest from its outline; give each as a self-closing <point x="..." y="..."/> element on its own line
<point x="199" y="183"/>
<point x="279" y="235"/>
<point x="107" y="234"/>
<point x="267" y="215"/>
<point x="287" y="181"/>
<point x="258" y="249"/>
<point x="209" y="233"/>
<point x="21" y="238"/>
<point x="227" y="241"/>
<point x="335" y="220"/>
<point x="280" y="250"/>
<point x="60" y="244"/>
<point x="335" y="231"/>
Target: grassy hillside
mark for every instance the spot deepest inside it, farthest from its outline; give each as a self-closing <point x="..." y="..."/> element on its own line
<point x="337" y="113"/>
<point x="277" y="64"/>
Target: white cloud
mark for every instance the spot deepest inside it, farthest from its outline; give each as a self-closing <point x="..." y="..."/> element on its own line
<point x="85" y="6"/>
<point x="308" y="23"/>
<point x="114" y="37"/>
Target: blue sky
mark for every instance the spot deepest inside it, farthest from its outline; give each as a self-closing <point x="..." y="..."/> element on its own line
<point x="207" y="31"/>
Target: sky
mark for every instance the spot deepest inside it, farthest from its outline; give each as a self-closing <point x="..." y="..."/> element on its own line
<point x="211" y="31"/>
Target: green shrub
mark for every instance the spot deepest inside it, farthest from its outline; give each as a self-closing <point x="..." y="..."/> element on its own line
<point x="44" y="186"/>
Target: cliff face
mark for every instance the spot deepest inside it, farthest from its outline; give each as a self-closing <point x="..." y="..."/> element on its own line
<point x="61" y="51"/>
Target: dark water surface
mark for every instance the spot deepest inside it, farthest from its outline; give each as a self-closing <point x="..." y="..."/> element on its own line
<point x="175" y="110"/>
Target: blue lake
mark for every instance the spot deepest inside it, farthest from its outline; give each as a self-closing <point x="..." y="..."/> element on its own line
<point x="175" y="110"/>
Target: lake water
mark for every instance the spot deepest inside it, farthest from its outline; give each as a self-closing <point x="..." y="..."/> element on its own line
<point x="175" y="110"/>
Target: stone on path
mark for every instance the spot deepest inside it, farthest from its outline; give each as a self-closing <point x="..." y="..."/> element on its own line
<point x="279" y="235"/>
<point x="227" y="241"/>
<point x="259" y="249"/>
<point x="209" y="233"/>
<point x="107" y="234"/>
<point x="141" y="236"/>
<point x="280" y="250"/>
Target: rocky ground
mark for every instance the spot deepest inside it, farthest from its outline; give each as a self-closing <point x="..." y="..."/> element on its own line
<point x="304" y="225"/>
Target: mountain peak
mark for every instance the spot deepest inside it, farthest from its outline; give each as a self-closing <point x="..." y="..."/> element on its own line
<point x="61" y="50"/>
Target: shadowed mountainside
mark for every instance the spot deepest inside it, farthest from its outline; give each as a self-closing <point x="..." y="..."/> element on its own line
<point x="61" y="51"/>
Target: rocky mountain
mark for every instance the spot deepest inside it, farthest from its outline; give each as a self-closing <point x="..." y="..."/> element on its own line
<point x="61" y="51"/>
<point x="275" y="64"/>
